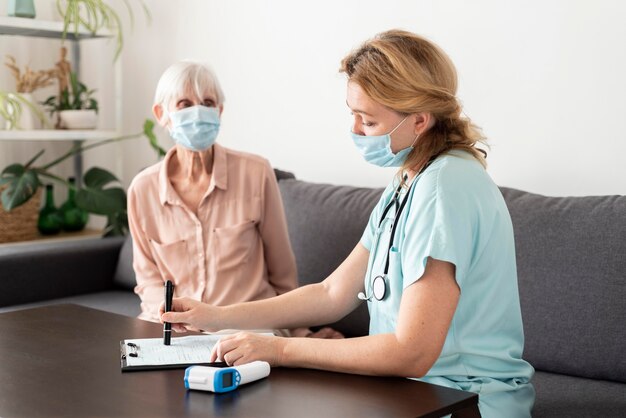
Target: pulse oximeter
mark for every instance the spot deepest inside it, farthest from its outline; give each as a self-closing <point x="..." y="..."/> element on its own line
<point x="220" y="380"/>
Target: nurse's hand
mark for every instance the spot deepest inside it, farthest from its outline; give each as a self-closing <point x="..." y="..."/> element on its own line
<point x="245" y="347"/>
<point x="189" y="315"/>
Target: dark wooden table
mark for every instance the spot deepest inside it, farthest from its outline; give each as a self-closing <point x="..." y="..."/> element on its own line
<point x="63" y="360"/>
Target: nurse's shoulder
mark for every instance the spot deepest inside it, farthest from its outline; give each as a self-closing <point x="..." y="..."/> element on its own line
<point x="455" y="173"/>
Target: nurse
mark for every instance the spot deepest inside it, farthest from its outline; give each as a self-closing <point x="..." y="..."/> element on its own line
<point x="435" y="264"/>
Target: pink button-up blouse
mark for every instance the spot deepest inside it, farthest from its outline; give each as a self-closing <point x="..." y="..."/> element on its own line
<point x="235" y="249"/>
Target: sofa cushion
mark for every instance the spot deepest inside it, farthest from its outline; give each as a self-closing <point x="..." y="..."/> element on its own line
<point x="124" y="277"/>
<point x="571" y="263"/>
<point x="50" y="270"/>
<point x="559" y="395"/>
<point x="325" y="223"/>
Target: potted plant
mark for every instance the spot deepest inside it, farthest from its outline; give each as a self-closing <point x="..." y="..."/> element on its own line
<point x="76" y="107"/>
<point x="94" y="15"/>
<point x="98" y="195"/>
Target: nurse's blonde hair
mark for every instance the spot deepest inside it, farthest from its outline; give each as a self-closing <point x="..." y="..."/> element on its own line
<point x="409" y="74"/>
<point x="183" y="76"/>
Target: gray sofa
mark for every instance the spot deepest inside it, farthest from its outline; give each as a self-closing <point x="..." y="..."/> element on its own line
<point x="571" y="259"/>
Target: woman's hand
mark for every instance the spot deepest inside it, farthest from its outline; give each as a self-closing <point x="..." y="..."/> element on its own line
<point x="189" y="315"/>
<point x="327" y="333"/>
<point x="245" y="347"/>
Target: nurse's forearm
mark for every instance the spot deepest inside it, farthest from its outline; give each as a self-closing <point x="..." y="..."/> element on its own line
<point x="302" y="307"/>
<point x="315" y="304"/>
<point x="380" y="355"/>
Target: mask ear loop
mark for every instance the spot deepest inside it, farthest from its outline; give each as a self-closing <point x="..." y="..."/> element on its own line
<point x="398" y="125"/>
<point x="415" y="140"/>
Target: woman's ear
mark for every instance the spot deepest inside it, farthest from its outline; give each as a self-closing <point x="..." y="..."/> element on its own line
<point x="157" y="111"/>
<point x="221" y="109"/>
<point x="423" y="122"/>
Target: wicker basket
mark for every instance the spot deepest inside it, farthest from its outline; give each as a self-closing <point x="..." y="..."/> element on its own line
<point x="21" y="223"/>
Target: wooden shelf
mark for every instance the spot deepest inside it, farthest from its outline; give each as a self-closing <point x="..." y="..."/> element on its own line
<point x="86" y="233"/>
<point x="44" y="29"/>
<point x="57" y="135"/>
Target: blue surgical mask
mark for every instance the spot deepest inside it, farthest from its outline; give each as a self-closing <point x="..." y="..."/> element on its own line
<point x="376" y="149"/>
<point x="195" y="127"/>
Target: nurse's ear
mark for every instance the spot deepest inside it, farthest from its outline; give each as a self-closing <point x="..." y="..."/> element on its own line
<point x="221" y="109"/>
<point x="423" y="122"/>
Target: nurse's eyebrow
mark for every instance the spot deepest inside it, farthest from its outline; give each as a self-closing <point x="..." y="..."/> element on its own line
<point x="357" y="110"/>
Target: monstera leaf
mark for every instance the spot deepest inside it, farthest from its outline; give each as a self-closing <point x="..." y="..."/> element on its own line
<point x="21" y="184"/>
<point x="96" y="198"/>
<point x="117" y="224"/>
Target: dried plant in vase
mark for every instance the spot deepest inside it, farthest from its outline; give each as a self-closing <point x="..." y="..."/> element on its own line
<point x="14" y="104"/>
<point x="28" y="81"/>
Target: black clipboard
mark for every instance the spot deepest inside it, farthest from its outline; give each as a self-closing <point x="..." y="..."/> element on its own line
<point x="127" y="350"/>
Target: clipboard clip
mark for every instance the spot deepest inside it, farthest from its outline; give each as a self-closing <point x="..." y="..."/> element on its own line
<point x="134" y="348"/>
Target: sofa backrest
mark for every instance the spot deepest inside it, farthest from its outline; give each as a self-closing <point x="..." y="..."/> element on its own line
<point x="325" y="224"/>
<point x="571" y="263"/>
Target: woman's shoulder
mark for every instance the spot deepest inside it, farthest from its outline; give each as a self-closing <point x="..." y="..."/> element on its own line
<point x="245" y="160"/>
<point x="147" y="177"/>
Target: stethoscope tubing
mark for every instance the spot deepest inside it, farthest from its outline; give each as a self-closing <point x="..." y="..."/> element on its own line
<point x="398" y="212"/>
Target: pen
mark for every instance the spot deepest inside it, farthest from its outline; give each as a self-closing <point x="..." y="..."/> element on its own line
<point x="167" y="327"/>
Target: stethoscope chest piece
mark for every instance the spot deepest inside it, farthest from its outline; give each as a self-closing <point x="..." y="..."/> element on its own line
<point x="379" y="288"/>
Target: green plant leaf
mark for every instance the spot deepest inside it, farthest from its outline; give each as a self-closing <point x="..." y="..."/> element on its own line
<point x="97" y="178"/>
<point x="11" y="108"/>
<point x="117" y="225"/>
<point x="101" y="202"/>
<point x="14" y="170"/>
<point x="22" y="185"/>
<point x="148" y="131"/>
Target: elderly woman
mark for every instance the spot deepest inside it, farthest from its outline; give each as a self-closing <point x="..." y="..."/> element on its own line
<point x="208" y="218"/>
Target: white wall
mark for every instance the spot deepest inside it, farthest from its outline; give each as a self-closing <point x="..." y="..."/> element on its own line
<point x="545" y="79"/>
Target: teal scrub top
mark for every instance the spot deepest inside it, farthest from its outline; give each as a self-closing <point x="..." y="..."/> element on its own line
<point x="456" y="213"/>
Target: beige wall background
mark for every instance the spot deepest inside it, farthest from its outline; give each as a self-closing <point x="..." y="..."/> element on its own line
<point x="545" y="79"/>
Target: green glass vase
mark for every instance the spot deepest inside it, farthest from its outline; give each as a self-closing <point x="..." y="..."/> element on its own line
<point x="74" y="218"/>
<point x="21" y="8"/>
<point x="50" y="221"/>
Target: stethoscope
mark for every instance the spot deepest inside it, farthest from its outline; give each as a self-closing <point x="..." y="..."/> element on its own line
<point x="378" y="287"/>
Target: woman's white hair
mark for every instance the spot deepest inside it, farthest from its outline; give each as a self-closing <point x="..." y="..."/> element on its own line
<point x="185" y="75"/>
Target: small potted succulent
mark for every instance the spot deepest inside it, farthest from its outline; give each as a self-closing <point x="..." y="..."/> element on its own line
<point x="76" y="108"/>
